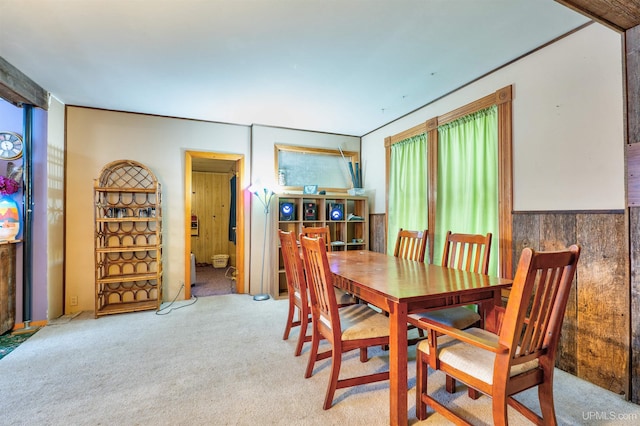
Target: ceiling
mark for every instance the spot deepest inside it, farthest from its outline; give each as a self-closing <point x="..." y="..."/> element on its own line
<point x="337" y="66"/>
<point x="213" y="166"/>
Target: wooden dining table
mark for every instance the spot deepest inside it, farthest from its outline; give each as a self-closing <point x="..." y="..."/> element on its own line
<point x="402" y="287"/>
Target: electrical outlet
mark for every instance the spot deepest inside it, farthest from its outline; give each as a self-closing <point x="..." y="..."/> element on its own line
<point x="74" y="300"/>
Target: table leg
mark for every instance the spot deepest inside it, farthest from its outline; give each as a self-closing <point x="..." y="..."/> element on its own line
<point x="492" y="313"/>
<point x="398" y="380"/>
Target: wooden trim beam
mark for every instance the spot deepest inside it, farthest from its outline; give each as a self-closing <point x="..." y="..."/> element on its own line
<point x="497" y="98"/>
<point x="19" y="89"/>
<point x="387" y="168"/>
<point x="409" y="133"/>
<point x="505" y="184"/>
<point x="619" y="15"/>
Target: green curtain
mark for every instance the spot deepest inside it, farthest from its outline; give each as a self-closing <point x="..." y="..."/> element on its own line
<point x="468" y="180"/>
<point x="408" y="207"/>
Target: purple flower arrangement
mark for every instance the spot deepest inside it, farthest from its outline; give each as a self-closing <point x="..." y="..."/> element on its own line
<point x="8" y="186"/>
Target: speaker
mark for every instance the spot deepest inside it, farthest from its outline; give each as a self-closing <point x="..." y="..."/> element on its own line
<point x="310" y="211"/>
<point x="287" y="211"/>
<point x="335" y="211"/>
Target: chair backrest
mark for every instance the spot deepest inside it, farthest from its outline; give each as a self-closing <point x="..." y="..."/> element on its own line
<point x="294" y="270"/>
<point x="411" y="245"/>
<point x="469" y="252"/>
<point x="318" y="231"/>
<point x="536" y="307"/>
<point x="324" y="307"/>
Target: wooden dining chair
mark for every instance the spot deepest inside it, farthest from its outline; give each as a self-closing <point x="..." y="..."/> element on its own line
<point x="469" y="252"/>
<point x="298" y="293"/>
<point x="346" y="329"/>
<point x="520" y="357"/>
<point x="411" y="245"/>
<point x="318" y="231"/>
<point x="344" y="298"/>
<point x="297" y="289"/>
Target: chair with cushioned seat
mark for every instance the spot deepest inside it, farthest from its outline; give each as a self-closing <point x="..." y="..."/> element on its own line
<point x="297" y="290"/>
<point x="469" y="252"/>
<point x="346" y="329"/>
<point x="520" y="357"/>
<point x="344" y="298"/>
<point x="411" y="245"/>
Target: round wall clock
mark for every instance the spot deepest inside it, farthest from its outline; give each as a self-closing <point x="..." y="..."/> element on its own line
<point x="10" y="146"/>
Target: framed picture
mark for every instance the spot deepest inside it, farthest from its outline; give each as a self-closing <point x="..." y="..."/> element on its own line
<point x="310" y="189"/>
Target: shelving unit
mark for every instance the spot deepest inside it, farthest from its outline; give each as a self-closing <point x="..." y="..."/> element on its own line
<point x="128" y="239"/>
<point x="350" y="232"/>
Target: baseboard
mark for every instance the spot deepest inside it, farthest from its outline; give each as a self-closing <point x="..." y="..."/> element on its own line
<point x="20" y="326"/>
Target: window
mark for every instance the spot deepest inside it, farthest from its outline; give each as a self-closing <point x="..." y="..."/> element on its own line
<point x="500" y="102"/>
<point x="407" y="189"/>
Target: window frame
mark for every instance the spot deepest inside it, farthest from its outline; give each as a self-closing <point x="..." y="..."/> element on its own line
<point x="502" y="98"/>
<point x="341" y="158"/>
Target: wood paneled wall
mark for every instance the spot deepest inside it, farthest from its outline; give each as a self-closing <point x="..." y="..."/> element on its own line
<point x="7" y="286"/>
<point x="632" y="45"/>
<point x="210" y="201"/>
<point x="19" y="89"/>
<point x="595" y="343"/>
<point x="624" y="16"/>
<point x="377" y="234"/>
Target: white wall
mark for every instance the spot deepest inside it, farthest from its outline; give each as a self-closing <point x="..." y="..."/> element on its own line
<point x="263" y="170"/>
<point x="568" y="135"/>
<point x="55" y="208"/>
<point x="568" y="151"/>
<point x="97" y="137"/>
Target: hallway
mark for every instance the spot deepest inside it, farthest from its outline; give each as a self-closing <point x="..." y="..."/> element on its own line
<point x="212" y="281"/>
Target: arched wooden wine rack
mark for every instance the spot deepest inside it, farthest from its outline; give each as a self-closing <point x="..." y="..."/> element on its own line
<point x="128" y="236"/>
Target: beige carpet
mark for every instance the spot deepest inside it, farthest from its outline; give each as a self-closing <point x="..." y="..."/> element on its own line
<point x="222" y="361"/>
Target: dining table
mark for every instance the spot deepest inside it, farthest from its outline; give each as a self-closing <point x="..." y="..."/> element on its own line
<point x="402" y="287"/>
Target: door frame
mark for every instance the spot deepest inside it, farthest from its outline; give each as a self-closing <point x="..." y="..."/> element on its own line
<point x="240" y="211"/>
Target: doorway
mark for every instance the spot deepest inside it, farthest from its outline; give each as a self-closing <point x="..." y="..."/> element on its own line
<point x="218" y="164"/>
